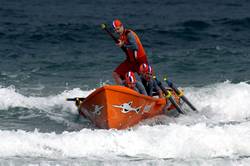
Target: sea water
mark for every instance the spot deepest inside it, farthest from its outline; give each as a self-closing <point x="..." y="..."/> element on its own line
<point x="53" y="50"/>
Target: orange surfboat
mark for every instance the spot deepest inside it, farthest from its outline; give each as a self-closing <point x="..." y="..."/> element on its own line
<point x="119" y="107"/>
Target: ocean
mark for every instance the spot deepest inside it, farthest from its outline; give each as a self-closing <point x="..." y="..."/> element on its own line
<point x="52" y="50"/>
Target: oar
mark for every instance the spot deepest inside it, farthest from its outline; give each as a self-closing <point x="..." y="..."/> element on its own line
<point x="179" y="93"/>
<point x="169" y="96"/>
<point x="77" y="100"/>
<point x="104" y="27"/>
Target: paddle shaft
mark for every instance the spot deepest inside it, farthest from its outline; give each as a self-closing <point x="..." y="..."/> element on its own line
<point x="178" y="92"/>
<point x="104" y="27"/>
<point x="171" y="99"/>
<point x="111" y="35"/>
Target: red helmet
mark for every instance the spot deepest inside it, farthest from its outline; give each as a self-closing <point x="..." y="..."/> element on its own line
<point x="117" y="23"/>
<point x="130" y="78"/>
<point x="145" y="68"/>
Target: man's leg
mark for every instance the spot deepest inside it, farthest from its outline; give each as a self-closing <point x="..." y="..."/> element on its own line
<point x="120" y="72"/>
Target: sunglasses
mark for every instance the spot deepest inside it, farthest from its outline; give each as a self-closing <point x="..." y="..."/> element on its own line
<point x="117" y="29"/>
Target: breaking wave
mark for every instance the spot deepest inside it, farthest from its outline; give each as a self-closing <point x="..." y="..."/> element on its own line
<point x="219" y="130"/>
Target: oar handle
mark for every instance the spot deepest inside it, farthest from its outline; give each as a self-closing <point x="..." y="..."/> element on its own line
<point x="104" y="27"/>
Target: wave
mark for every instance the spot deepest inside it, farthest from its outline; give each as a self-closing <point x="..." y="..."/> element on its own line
<point x="11" y="98"/>
<point x="173" y="141"/>
<point x="235" y="24"/>
<point x="224" y="101"/>
<point x="218" y="105"/>
<point x="52" y="33"/>
<point x="190" y="30"/>
<point x="196" y="24"/>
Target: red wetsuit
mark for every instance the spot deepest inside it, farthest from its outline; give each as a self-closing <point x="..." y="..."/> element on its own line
<point x="131" y="64"/>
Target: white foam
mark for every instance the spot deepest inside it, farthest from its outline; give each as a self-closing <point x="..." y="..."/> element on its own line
<point x="162" y="141"/>
<point x="9" y="97"/>
<point x="175" y="139"/>
<point x="219" y="102"/>
<point x="223" y="101"/>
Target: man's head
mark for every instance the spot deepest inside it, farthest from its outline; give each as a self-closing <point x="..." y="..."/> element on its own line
<point x="146" y="71"/>
<point x="118" y="27"/>
<point x="130" y="80"/>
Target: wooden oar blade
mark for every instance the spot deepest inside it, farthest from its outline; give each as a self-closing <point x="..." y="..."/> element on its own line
<point x="178" y="108"/>
<point x="180" y="94"/>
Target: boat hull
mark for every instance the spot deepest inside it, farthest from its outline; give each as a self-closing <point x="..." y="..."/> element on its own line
<point x="120" y="107"/>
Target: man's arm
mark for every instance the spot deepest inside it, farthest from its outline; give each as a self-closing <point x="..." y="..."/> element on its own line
<point x="141" y="88"/>
<point x="132" y="44"/>
<point x="158" y="89"/>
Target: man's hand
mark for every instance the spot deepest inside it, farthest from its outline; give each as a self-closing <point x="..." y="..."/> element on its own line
<point x="120" y="44"/>
<point x="135" y="54"/>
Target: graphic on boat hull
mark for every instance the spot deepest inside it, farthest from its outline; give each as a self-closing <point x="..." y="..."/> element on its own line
<point x="147" y="108"/>
<point x="97" y="109"/>
<point x="127" y="107"/>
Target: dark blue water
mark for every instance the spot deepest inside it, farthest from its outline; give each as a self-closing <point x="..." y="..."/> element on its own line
<point x="50" y="50"/>
<point x="60" y="43"/>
